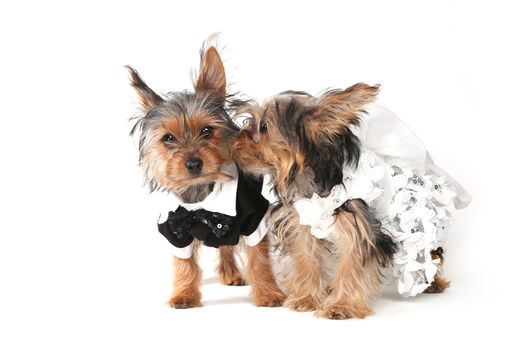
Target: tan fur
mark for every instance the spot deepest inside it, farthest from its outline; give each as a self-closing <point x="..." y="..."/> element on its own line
<point x="167" y="165"/>
<point x="227" y="269"/>
<point x="186" y="280"/>
<point x="305" y="286"/>
<point x="338" y="110"/>
<point x="357" y="278"/>
<point x="272" y="155"/>
<point x="211" y="76"/>
<point x="260" y="276"/>
<point x="148" y="98"/>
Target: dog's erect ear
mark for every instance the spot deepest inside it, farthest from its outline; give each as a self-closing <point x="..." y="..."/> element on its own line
<point x="337" y="110"/>
<point x="212" y="77"/>
<point x="148" y="97"/>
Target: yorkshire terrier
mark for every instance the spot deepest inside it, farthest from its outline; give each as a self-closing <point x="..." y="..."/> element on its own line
<point x="303" y="143"/>
<point x="184" y="152"/>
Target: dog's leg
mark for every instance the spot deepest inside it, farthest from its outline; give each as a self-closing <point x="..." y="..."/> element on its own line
<point x="439" y="284"/>
<point x="357" y="275"/>
<point x="306" y="292"/>
<point x="186" y="282"/>
<point x="227" y="269"/>
<point x="260" y="276"/>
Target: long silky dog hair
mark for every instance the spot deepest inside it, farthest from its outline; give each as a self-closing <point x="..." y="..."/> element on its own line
<point x="303" y="143"/>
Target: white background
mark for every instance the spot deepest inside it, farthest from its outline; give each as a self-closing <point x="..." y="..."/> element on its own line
<point x="78" y="266"/>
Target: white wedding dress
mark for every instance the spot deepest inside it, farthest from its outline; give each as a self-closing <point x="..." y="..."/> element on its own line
<point x="412" y="197"/>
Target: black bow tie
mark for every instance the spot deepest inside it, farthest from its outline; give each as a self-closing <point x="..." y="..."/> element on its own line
<point x="198" y="223"/>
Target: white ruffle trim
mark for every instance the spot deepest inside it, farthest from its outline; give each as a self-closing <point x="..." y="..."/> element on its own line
<point x="317" y="212"/>
<point x="417" y="219"/>
<point x="414" y="207"/>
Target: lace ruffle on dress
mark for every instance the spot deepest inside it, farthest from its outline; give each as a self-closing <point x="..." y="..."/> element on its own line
<point x="411" y="196"/>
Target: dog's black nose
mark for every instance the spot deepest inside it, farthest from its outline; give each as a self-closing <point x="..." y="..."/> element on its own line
<point x="194" y="166"/>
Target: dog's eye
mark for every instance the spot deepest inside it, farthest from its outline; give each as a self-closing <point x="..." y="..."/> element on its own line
<point x="263" y="127"/>
<point x="207" y="132"/>
<point x="168" y="138"/>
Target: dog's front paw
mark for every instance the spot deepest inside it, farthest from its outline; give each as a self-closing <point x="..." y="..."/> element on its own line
<point x="184" y="301"/>
<point x="272" y="299"/>
<point x="233" y="279"/>
<point x="338" y="312"/>
<point x="301" y="304"/>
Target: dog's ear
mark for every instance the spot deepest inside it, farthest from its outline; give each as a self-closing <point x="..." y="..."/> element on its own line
<point x="212" y="78"/>
<point x="148" y="97"/>
<point x="338" y="109"/>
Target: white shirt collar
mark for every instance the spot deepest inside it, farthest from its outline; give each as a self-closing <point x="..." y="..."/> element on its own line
<point x="223" y="197"/>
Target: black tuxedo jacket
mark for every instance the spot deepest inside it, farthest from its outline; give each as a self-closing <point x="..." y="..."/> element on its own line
<point x="216" y="229"/>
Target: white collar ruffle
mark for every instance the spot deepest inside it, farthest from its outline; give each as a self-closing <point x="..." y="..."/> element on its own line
<point x="317" y="212"/>
<point x="222" y="198"/>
